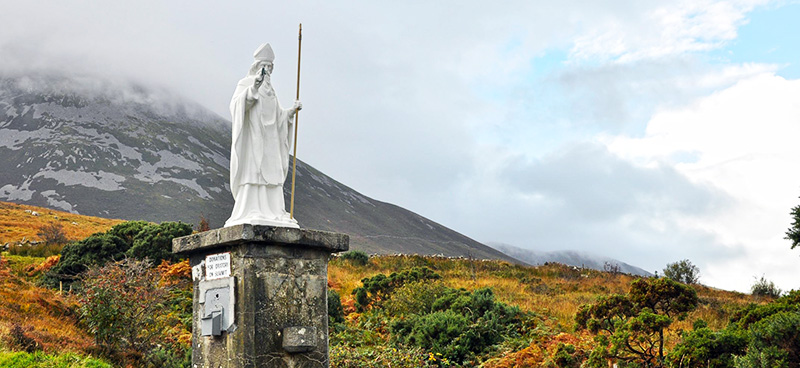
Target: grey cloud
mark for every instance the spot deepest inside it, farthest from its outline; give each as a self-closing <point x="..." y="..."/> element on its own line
<point x="585" y="198"/>
<point x="598" y="185"/>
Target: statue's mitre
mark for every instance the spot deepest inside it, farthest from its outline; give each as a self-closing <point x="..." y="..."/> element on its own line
<point x="264" y="53"/>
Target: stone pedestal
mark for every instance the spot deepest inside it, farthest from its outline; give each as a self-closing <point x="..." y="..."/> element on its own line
<point x="279" y="282"/>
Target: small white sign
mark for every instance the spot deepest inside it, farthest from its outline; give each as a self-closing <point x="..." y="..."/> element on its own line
<point x="218" y="266"/>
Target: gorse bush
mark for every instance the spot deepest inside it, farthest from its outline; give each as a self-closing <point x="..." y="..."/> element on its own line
<point x="456" y="326"/>
<point x="703" y="348"/>
<point x="136" y="239"/>
<point x="377" y="288"/>
<point x="461" y="325"/>
<point x="335" y="311"/>
<point x="154" y="242"/>
<point x="774" y="342"/>
<point x="356" y="257"/>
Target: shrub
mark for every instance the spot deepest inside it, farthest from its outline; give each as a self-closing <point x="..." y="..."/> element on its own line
<point x="461" y="326"/>
<point x="765" y="288"/>
<point x="377" y="288"/>
<point x="356" y="257"/>
<point x="774" y="342"/>
<point x="704" y="348"/>
<point x="52" y="233"/>
<point x="682" y="271"/>
<point x="19" y="339"/>
<point x="77" y="257"/>
<point x="155" y="241"/>
<point x="335" y="311"/>
<point x="631" y="327"/>
<point x="121" y="305"/>
<point x="136" y="239"/>
<point x="203" y="225"/>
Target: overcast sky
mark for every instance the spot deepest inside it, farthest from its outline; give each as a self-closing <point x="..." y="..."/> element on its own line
<point x="647" y="131"/>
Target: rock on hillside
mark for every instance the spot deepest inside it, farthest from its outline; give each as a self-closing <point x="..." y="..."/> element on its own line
<point x="120" y="150"/>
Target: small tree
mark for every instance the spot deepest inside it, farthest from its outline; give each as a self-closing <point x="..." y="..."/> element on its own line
<point x="52" y="233"/>
<point x="203" y="225"/>
<point x="683" y="271"/>
<point x="632" y="327"/>
<point x="793" y="233"/>
<point x="765" y="288"/>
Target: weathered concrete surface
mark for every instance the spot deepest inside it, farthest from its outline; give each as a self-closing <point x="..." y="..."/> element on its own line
<point x="228" y="236"/>
<point x="281" y="282"/>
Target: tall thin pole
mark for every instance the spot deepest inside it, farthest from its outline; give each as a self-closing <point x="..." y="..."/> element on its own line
<point x="296" y="119"/>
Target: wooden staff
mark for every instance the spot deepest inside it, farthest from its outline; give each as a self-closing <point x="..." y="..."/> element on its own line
<point x="296" y="119"/>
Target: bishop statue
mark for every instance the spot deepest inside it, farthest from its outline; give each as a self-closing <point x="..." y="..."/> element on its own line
<point x="262" y="136"/>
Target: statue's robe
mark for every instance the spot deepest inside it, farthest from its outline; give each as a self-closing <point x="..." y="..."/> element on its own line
<point x="259" y="155"/>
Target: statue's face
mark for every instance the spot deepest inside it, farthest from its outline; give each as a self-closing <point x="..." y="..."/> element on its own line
<point x="267" y="66"/>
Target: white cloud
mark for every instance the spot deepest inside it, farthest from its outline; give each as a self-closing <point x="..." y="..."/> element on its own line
<point x="664" y="29"/>
<point x="743" y="141"/>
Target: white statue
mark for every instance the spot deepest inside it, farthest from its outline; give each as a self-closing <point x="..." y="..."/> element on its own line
<point x="262" y="133"/>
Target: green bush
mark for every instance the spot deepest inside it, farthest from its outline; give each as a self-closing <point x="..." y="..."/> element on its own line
<point x="765" y="288"/>
<point x="335" y="311"/>
<point x="77" y="257"/>
<point x="774" y="342"/>
<point x="42" y="360"/>
<point x="356" y="257"/>
<point x="415" y="298"/>
<point x="682" y="271"/>
<point x="136" y="239"/>
<point x="378" y="288"/>
<point x="462" y="326"/>
<point x="154" y="242"/>
<point x="704" y="348"/>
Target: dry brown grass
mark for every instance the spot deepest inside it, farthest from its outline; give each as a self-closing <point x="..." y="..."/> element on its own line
<point x="554" y="290"/>
<point x="46" y="316"/>
<point x="16" y="224"/>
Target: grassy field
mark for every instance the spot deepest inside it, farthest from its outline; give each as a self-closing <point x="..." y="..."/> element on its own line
<point x="553" y="291"/>
<point x="17" y="222"/>
<point x="38" y="319"/>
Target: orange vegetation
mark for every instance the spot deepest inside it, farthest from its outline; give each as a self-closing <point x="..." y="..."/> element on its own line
<point x="16" y="223"/>
<point x="554" y="290"/>
<point x="48" y="263"/>
<point x="42" y="315"/>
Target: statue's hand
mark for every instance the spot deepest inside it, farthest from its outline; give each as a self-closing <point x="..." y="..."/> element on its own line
<point x="297" y="105"/>
<point x="257" y="83"/>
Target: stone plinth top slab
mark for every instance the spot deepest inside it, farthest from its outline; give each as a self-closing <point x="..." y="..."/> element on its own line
<point x="268" y="235"/>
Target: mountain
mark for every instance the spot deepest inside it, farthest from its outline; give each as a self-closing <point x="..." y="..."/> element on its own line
<point x="116" y="149"/>
<point x="568" y="257"/>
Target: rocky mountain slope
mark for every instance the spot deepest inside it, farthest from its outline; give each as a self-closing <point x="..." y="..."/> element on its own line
<point x="567" y="257"/>
<point x="120" y="150"/>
